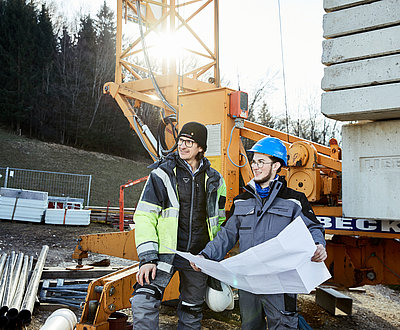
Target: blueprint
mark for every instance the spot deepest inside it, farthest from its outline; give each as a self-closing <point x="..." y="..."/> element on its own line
<point x="280" y="265"/>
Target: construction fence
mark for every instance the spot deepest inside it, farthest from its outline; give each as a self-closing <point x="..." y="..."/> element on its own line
<point x="57" y="184"/>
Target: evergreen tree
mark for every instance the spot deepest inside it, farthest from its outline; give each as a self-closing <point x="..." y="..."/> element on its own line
<point x="46" y="51"/>
<point x="46" y="45"/>
<point x="108" y="129"/>
<point x="20" y="75"/>
<point x="66" y="79"/>
<point x="85" y="59"/>
<point x="265" y="117"/>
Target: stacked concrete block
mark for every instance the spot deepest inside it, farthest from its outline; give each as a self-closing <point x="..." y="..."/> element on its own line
<point x="362" y="83"/>
<point x="362" y="54"/>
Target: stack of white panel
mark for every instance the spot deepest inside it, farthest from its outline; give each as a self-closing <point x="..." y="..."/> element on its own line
<point x="22" y="205"/>
<point x="67" y="217"/>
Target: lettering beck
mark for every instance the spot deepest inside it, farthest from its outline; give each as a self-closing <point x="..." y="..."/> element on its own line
<point x="383" y="226"/>
<point x="325" y="221"/>
<point x="342" y="223"/>
<point x="391" y="226"/>
<point x="364" y="224"/>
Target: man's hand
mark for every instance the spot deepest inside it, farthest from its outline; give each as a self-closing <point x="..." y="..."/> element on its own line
<point x="197" y="269"/>
<point x="144" y="273"/>
<point x="320" y="254"/>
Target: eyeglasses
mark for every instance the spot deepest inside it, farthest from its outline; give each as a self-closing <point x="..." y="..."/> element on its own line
<point x="188" y="143"/>
<point x="259" y="163"/>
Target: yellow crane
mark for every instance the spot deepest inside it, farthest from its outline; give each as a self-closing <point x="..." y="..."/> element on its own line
<point x="193" y="93"/>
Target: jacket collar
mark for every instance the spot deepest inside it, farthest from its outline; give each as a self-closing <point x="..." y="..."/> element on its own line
<point x="172" y="160"/>
<point x="251" y="186"/>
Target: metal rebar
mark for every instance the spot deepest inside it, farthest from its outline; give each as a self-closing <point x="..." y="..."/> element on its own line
<point x="30" y="266"/>
<point x="2" y="263"/>
<point x="68" y="302"/>
<point x="28" y="302"/>
<point x="16" y="276"/>
<point x="4" y="279"/>
<point x="3" y="267"/>
<point x="78" y="287"/>
<point x="8" y="290"/>
<point x="21" y="286"/>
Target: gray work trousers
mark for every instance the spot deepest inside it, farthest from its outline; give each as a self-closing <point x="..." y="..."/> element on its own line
<point x="280" y="310"/>
<point x="192" y="289"/>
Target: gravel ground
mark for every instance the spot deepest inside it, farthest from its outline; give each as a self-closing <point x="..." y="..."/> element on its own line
<point x="374" y="307"/>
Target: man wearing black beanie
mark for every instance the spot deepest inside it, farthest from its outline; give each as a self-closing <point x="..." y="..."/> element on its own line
<point x="182" y="207"/>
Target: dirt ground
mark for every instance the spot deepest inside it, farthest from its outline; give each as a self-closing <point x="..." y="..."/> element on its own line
<point x="374" y="307"/>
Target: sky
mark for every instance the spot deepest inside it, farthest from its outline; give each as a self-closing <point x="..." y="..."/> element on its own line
<point x="250" y="47"/>
<point x="260" y="54"/>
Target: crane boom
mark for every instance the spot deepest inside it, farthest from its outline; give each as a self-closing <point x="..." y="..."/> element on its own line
<point x="360" y="251"/>
<point x="313" y="169"/>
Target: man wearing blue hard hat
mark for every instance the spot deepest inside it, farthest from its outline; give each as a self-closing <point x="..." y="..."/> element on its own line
<point x="265" y="208"/>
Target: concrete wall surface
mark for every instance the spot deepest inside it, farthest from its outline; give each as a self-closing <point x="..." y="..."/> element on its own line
<point x="380" y="70"/>
<point x="360" y="46"/>
<point x="371" y="170"/>
<point x="332" y="5"/>
<point x="368" y="103"/>
<point x="361" y="18"/>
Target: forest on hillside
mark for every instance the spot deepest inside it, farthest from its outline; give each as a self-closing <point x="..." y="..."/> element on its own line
<point x="51" y="81"/>
<point x="51" y="84"/>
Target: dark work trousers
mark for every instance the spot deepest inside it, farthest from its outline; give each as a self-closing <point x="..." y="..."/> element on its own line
<point x="280" y="310"/>
<point x="192" y="288"/>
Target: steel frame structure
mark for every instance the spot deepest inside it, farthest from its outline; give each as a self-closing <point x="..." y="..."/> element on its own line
<point x="132" y="84"/>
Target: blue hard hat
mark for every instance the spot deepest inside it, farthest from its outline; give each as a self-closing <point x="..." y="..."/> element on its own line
<point x="272" y="147"/>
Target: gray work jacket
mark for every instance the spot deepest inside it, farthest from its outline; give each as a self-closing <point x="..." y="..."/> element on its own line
<point x="253" y="222"/>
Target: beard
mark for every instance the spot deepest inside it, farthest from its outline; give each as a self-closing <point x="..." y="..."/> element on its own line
<point x="264" y="179"/>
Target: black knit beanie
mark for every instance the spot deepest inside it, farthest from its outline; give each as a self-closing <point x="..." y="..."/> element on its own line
<point x="195" y="131"/>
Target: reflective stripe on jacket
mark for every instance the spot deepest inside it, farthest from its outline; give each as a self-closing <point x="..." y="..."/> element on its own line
<point x="157" y="213"/>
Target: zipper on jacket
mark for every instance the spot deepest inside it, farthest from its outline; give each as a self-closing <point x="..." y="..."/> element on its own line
<point x="272" y="195"/>
<point x="257" y="198"/>
<point x="191" y="215"/>
<point x="210" y="188"/>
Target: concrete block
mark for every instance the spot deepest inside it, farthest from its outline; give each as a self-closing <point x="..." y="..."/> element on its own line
<point x="332" y="5"/>
<point x="380" y="70"/>
<point x="371" y="170"/>
<point x="361" y="18"/>
<point x="361" y="46"/>
<point x="368" y="103"/>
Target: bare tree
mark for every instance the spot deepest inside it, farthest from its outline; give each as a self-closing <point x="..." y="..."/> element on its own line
<point x="104" y="56"/>
<point x="260" y="93"/>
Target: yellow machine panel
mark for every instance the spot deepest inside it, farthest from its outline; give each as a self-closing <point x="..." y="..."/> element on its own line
<point x="211" y="107"/>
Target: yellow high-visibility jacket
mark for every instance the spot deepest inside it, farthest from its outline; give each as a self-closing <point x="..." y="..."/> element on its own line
<point x="157" y="213"/>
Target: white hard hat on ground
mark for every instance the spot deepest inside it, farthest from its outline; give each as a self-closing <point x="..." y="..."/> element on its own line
<point x="217" y="300"/>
